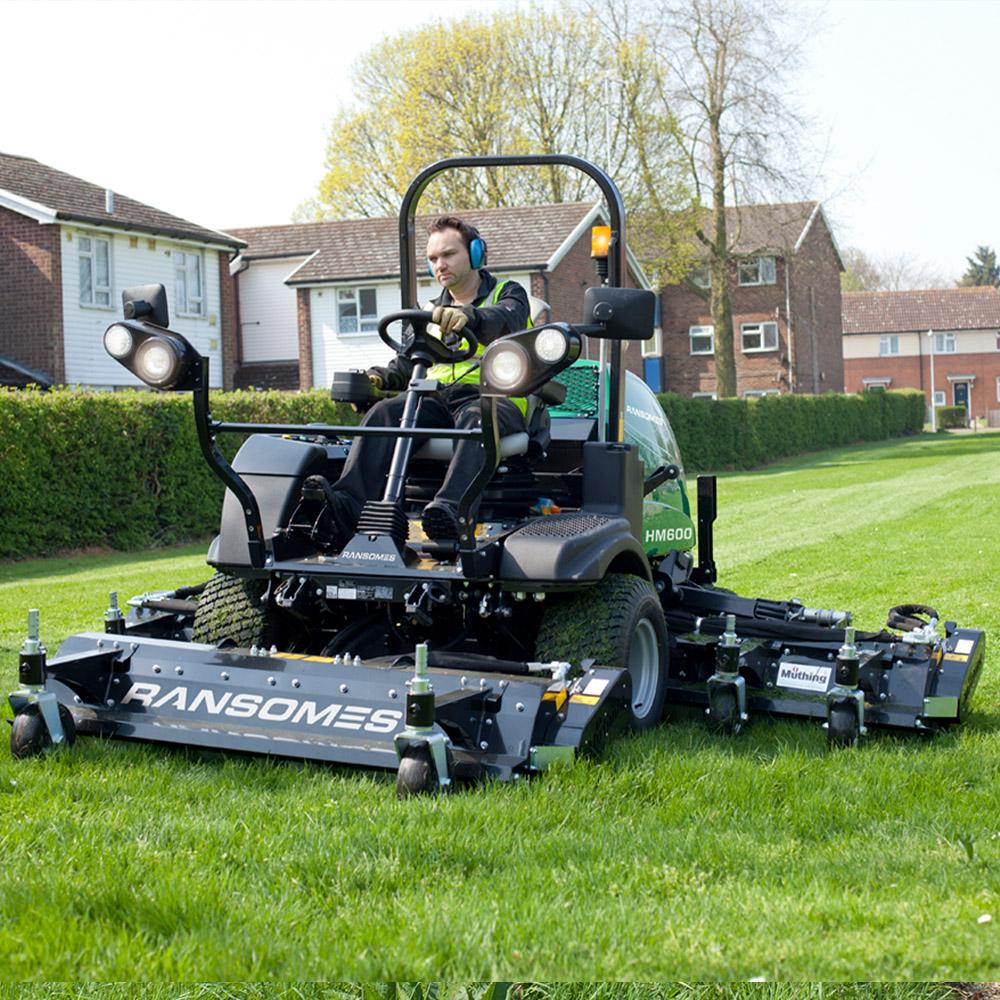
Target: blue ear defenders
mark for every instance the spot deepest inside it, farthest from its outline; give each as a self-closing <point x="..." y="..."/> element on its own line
<point x="477" y="255"/>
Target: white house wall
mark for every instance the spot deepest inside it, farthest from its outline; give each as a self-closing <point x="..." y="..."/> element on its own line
<point x="912" y="345"/>
<point x="149" y="262"/>
<point x="332" y="352"/>
<point x="268" y="312"/>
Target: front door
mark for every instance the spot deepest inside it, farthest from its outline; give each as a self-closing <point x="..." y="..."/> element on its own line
<point x="961" y="391"/>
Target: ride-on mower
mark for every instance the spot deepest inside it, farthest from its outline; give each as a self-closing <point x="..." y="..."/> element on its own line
<point x="569" y="606"/>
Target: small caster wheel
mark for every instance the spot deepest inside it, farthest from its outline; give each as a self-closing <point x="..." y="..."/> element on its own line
<point x="29" y="736"/>
<point x="416" y="776"/>
<point x="723" y="711"/>
<point x="842" y="727"/>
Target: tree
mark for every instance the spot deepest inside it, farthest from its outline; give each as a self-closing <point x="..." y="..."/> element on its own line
<point x="888" y="273"/>
<point x="729" y="63"/>
<point x="514" y="81"/>
<point x="982" y="269"/>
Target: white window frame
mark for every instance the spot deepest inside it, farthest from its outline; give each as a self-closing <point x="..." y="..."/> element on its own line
<point x="701" y="277"/>
<point x="701" y="331"/>
<point x="998" y="340"/>
<point x="758" y="393"/>
<point x="765" y="266"/>
<point x="703" y="395"/>
<point x="944" y="343"/>
<point x="187" y="304"/>
<point x="653" y="348"/>
<point x="940" y="397"/>
<point x="888" y="345"/>
<point x="91" y="256"/>
<point x="345" y="294"/>
<point x="759" y="329"/>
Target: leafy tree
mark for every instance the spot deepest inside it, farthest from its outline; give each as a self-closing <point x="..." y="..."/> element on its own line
<point x="506" y="82"/>
<point x="982" y="269"/>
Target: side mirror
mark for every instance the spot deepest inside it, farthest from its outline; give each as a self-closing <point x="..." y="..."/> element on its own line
<point x="625" y="313"/>
<point x="146" y="302"/>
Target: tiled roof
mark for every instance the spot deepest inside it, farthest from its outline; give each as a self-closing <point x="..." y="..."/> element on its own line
<point x="78" y="200"/>
<point x="369" y="248"/>
<point x="768" y="227"/>
<point x="974" y="308"/>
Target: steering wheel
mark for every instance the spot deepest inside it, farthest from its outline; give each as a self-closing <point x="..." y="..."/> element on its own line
<point x="419" y="319"/>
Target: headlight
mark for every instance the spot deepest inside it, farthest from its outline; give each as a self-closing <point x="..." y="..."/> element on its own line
<point x="506" y="367"/>
<point x="158" y="362"/>
<point x="550" y="345"/>
<point x="118" y="340"/>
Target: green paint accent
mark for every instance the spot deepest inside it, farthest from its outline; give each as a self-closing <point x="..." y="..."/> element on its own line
<point x="542" y="758"/>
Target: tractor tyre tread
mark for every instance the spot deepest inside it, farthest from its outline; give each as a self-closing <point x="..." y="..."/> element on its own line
<point x="597" y="623"/>
<point x="230" y="611"/>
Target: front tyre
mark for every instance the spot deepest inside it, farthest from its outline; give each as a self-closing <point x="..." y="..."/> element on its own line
<point x="619" y="623"/>
<point x="230" y="613"/>
<point x="416" y="775"/>
<point x="29" y="736"/>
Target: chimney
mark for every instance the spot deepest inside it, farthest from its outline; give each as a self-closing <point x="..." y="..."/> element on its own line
<point x="109" y="201"/>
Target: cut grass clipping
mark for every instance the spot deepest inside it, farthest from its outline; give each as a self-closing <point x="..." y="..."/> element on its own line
<point x="679" y="855"/>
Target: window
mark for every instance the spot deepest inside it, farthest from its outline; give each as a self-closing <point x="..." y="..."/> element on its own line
<point x="944" y="343"/>
<point x="95" y="271"/>
<point x="939" y="397"/>
<point x="759" y="337"/>
<point x="188" y="286"/>
<point x="703" y="395"/>
<point x="998" y="340"/>
<point x="702" y="339"/>
<point x="757" y="393"/>
<point x="757" y="271"/>
<point x="998" y="388"/>
<point x="357" y="311"/>
<point x="889" y="344"/>
<point x="702" y="277"/>
<point x="653" y="347"/>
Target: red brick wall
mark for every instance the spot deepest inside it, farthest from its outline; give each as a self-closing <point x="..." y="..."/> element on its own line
<point x="915" y="373"/>
<point x="31" y="324"/>
<point x="566" y="285"/>
<point x="230" y="319"/>
<point x="305" y="339"/>
<point x="686" y="373"/>
<point x="817" y="332"/>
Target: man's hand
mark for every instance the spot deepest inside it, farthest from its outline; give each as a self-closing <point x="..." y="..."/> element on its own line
<point x="450" y="319"/>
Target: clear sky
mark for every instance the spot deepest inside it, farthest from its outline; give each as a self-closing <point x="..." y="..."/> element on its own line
<point x="217" y="110"/>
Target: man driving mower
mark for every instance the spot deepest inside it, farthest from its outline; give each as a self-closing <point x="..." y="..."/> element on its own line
<point x="473" y="299"/>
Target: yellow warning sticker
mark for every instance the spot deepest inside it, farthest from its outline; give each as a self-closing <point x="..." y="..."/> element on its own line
<point x="586" y="699"/>
<point x="559" y="697"/>
<point x="290" y="656"/>
<point x="958" y="657"/>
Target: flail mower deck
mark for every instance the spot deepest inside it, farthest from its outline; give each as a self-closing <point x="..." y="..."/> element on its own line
<point x="569" y="607"/>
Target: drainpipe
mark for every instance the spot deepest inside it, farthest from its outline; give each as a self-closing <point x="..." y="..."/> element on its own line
<point x="788" y="328"/>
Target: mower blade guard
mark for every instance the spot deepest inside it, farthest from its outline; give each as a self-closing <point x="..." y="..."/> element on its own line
<point x="319" y="708"/>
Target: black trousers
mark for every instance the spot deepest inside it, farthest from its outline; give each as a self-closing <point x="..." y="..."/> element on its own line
<point x="367" y="466"/>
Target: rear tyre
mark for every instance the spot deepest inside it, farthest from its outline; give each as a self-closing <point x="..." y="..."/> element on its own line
<point x="619" y="623"/>
<point x="230" y="612"/>
<point x="29" y="736"/>
<point x="842" y="727"/>
<point x="416" y="775"/>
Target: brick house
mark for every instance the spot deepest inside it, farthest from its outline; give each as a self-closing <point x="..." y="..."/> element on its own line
<point x="310" y="294"/>
<point x="786" y="308"/>
<point x="67" y="250"/>
<point x="889" y="337"/>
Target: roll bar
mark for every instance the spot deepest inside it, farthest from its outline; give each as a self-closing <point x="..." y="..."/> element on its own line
<point x="616" y="247"/>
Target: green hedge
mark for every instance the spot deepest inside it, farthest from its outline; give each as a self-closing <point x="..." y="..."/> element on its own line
<point x="124" y="470"/>
<point x="121" y="469"/>
<point x="952" y="416"/>
<point x="744" y="433"/>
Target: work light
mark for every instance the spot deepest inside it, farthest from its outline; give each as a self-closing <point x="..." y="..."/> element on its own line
<point x="520" y="363"/>
<point x="160" y="358"/>
<point x="551" y="345"/>
<point x="118" y="341"/>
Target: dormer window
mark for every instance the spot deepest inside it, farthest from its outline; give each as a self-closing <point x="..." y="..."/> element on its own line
<point x="757" y="271"/>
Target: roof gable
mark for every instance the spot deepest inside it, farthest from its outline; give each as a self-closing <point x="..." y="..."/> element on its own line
<point x="48" y="195"/>
<point x="974" y="308"/>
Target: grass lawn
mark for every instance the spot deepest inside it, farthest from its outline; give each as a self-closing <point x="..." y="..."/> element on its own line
<point x="680" y="855"/>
